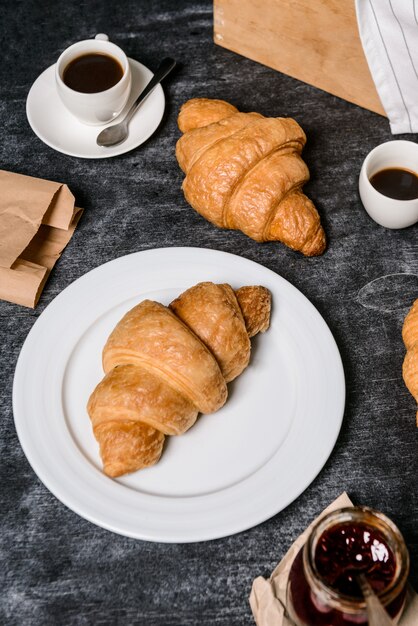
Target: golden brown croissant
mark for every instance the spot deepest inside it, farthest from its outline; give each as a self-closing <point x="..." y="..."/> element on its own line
<point x="163" y="365"/>
<point x="244" y="171"/>
<point x="410" y="364"/>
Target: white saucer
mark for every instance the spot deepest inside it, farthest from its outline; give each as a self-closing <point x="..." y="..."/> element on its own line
<point x="60" y="130"/>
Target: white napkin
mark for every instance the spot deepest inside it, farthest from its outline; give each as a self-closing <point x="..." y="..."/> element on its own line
<point x="389" y="34"/>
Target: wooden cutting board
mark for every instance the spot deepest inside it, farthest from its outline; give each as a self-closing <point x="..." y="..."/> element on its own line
<point x="316" y="41"/>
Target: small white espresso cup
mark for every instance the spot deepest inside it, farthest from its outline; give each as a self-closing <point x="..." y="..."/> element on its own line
<point x="94" y="108"/>
<point x="387" y="211"/>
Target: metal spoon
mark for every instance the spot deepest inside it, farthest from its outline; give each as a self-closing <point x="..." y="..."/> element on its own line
<point x="376" y="613"/>
<point x="117" y="133"/>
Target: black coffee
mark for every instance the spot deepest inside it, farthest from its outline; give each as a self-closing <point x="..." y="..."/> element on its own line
<point x="396" y="183"/>
<point x="91" y="73"/>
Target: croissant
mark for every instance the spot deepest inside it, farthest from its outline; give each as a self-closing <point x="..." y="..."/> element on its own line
<point x="244" y="171"/>
<point x="410" y="339"/>
<point x="164" y="365"/>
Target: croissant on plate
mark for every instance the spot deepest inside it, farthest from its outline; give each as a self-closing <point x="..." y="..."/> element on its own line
<point x="244" y="171"/>
<point x="410" y="364"/>
<point x="164" y="365"/>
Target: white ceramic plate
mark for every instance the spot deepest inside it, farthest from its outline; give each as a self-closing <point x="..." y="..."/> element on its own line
<point x="233" y="469"/>
<point x="61" y="130"/>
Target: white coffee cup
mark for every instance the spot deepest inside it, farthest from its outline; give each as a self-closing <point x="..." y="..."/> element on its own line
<point x="387" y="211"/>
<point x="101" y="107"/>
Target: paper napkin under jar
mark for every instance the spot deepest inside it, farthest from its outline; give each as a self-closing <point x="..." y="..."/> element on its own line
<point x="389" y="34"/>
<point x="268" y="597"/>
<point x="37" y="220"/>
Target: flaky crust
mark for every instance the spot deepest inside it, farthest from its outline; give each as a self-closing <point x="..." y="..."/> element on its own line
<point x="131" y="410"/>
<point x="129" y="392"/>
<point x="410" y="326"/>
<point x="151" y="336"/>
<point x="128" y="446"/>
<point x="245" y="172"/>
<point x="410" y="364"/>
<point x="164" y="365"/>
<point x="213" y="313"/>
<point x="255" y="304"/>
<point x="194" y="143"/>
<point x="203" y="111"/>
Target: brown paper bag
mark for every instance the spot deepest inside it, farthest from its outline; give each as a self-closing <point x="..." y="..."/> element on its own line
<point x="268" y="597"/>
<point x="37" y="220"/>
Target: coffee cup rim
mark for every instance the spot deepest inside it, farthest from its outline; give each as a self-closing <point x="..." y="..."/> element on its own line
<point x="91" y="44"/>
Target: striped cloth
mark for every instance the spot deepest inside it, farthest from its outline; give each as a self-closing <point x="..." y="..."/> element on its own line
<point x="389" y="34"/>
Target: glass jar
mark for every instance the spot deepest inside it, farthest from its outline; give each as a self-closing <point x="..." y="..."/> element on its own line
<point x="322" y="588"/>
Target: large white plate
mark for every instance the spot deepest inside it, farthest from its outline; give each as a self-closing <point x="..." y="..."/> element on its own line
<point x="59" y="129"/>
<point x="233" y="469"/>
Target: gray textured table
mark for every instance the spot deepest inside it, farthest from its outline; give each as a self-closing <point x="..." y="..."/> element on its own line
<point x="58" y="568"/>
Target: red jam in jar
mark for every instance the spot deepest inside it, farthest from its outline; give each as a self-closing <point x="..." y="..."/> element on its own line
<point x="348" y="549"/>
<point x="322" y="587"/>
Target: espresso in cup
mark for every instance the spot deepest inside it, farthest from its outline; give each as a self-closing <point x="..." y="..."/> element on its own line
<point x="396" y="183"/>
<point x="92" y="73"/>
<point x="93" y="79"/>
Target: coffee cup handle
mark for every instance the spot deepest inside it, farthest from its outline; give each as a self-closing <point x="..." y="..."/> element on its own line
<point x="102" y="37"/>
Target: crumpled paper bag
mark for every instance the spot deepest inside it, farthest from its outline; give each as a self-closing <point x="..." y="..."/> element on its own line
<point x="37" y="220"/>
<point x="268" y="597"/>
